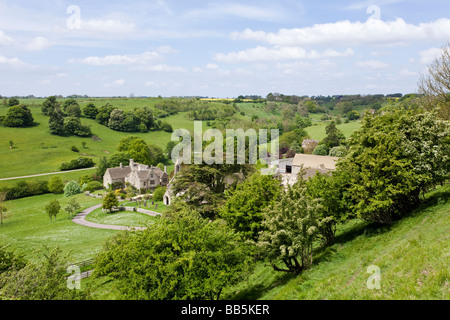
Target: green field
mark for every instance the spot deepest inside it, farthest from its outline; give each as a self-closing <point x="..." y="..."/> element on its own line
<point x="37" y="151"/>
<point x="29" y="228"/>
<point x="317" y="130"/>
<point x="120" y="218"/>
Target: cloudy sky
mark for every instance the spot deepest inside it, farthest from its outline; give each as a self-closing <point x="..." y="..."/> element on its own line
<point x="218" y="48"/>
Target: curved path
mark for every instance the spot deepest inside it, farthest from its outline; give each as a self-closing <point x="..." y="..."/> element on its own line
<point x="81" y="219"/>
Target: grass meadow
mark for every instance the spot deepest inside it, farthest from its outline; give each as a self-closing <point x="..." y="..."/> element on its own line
<point x="36" y="151"/>
<point x="28" y="228"/>
<point x="121" y="218"/>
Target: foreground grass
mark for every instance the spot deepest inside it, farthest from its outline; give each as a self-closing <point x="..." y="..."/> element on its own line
<point x="413" y="256"/>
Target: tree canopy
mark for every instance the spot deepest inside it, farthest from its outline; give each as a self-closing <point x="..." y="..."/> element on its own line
<point x="181" y="257"/>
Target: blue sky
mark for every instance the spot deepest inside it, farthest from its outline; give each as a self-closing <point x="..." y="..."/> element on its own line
<point x="218" y="48"/>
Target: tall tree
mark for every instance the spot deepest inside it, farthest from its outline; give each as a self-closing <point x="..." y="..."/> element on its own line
<point x="393" y="159"/>
<point x="49" y="104"/>
<point x="244" y="205"/>
<point x="56" y="121"/>
<point x="334" y="137"/>
<point x="90" y="111"/>
<point x="52" y="209"/>
<point x="202" y="186"/>
<point x="435" y="84"/>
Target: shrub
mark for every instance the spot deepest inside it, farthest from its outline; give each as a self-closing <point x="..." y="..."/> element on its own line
<point x="55" y="185"/>
<point x="25" y="189"/>
<point x="79" y="163"/>
<point x="18" y="116"/>
<point x="353" y="115"/>
<point x="166" y="127"/>
<point x="84" y="179"/>
<point x="74" y="149"/>
<point x="158" y="194"/>
<point x="93" y="185"/>
<point x="90" y="111"/>
<point x="321" y="150"/>
<point x="340" y="151"/>
<point x="71" y="188"/>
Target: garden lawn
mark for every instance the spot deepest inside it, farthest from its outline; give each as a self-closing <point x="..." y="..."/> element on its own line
<point x="121" y="218"/>
<point x="29" y="228"/>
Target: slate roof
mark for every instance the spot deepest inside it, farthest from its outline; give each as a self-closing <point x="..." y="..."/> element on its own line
<point x="315" y="161"/>
<point x="118" y="173"/>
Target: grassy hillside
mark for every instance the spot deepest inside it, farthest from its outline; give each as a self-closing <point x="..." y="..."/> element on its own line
<point x="317" y="131"/>
<point x="37" y="151"/>
<point x="413" y="256"/>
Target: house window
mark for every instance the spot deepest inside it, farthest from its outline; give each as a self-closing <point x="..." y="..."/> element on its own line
<point x="152" y="182"/>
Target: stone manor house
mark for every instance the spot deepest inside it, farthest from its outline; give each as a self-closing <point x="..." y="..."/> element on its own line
<point x="140" y="176"/>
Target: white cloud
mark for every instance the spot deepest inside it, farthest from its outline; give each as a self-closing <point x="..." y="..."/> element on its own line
<point x="161" y="68"/>
<point x="108" y="25"/>
<point x="166" y="50"/>
<point x="212" y="66"/>
<point x="429" y="55"/>
<point x="115" y="83"/>
<point x="127" y="59"/>
<point x="5" y="40"/>
<point x="13" y="62"/>
<point x="406" y="72"/>
<point x="244" y="11"/>
<point x="262" y="53"/>
<point x="372" y="64"/>
<point x="347" y="33"/>
<point x="37" y="44"/>
<point x="119" y="82"/>
<point x="362" y="5"/>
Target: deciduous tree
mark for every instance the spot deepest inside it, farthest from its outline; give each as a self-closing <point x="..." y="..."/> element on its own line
<point x="244" y="205"/>
<point x="181" y="257"/>
<point x="435" y="84"/>
<point x="290" y="227"/>
<point x="56" y="185"/>
<point x="52" y="209"/>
